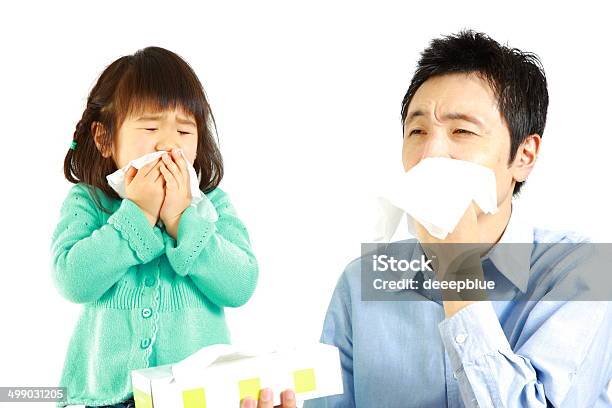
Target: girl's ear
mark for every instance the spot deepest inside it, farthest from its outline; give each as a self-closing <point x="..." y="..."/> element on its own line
<point x="98" y="132"/>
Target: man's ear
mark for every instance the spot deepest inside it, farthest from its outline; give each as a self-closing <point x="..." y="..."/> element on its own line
<point x="99" y="132"/>
<point x="526" y="157"/>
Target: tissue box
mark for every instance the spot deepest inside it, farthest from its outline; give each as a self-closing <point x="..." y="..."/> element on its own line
<point x="218" y="377"/>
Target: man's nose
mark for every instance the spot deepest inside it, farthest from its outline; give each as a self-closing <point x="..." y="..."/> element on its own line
<point x="436" y="145"/>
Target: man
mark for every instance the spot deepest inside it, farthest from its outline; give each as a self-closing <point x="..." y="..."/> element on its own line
<point x="544" y="341"/>
<point x="475" y="100"/>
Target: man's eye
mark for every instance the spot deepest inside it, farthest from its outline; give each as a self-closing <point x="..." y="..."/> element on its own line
<point x="415" y="132"/>
<point x="151" y="129"/>
<point x="464" y="132"/>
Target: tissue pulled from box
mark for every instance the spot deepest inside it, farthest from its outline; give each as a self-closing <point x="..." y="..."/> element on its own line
<point x="436" y="192"/>
<point x="221" y="376"/>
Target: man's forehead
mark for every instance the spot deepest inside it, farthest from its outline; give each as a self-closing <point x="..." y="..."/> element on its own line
<point x="454" y="96"/>
<point x="446" y="116"/>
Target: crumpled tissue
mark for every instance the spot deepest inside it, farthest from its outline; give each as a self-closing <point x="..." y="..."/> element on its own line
<point x="436" y="193"/>
<point x="198" y="199"/>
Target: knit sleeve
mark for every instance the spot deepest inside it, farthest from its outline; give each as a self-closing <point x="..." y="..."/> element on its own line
<point x="215" y="254"/>
<point x="90" y="256"/>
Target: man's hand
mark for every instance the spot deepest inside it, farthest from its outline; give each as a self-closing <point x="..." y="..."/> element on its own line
<point x="457" y="256"/>
<point x="178" y="191"/>
<point x="266" y="398"/>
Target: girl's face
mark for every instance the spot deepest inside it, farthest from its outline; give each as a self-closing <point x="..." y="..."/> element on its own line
<point x="150" y="132"/>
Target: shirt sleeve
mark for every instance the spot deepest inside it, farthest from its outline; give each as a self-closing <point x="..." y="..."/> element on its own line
<point x="215" y="253"/>
<point x="89" y="257"/>
<point x="337" y="331"/>
<point x="551" y="364"/>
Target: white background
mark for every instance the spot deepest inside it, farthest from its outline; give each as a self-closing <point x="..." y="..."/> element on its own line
<point x="307" y="102"/>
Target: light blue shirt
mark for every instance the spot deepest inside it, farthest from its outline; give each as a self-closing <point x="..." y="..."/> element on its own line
<point x="514" y="353"/>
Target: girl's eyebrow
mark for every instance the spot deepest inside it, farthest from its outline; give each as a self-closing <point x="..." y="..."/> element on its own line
<point x="149" y="117"/>
<point x="182" y="121"/>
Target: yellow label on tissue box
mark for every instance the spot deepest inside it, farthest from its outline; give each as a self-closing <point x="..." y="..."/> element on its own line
<point x="313" y="371"/>
<point x="249" y="388"/>
<point x="304" y="380"/>
<point x="195" y="398"/>
<point x="142" y="399"/>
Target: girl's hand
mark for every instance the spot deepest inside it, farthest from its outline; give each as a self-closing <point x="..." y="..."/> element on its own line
<point x="265" y="400"/>
<point x="178" y="191"/>
<point x="145" y="187"/>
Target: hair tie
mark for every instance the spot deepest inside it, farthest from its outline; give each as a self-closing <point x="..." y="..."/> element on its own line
<point x="73" y="145"/>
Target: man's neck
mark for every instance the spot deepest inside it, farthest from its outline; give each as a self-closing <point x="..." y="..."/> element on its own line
<point x="492" y="226"/>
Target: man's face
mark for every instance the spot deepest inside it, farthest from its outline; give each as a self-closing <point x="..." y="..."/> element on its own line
<point x="456" y="116"/>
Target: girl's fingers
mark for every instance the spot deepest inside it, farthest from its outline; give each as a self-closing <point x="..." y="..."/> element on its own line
<point x="153" y="174"/>
<point x="174" y="169"/>
<point x="182" y="165"/>
<point x="148" y="168"/>
<point x="169" y="177"/>
<point x="161" y="176"/>
<point x="129" y="175"/>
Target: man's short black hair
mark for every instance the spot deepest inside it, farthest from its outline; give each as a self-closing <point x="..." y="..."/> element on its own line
<point x="516" y="78"/>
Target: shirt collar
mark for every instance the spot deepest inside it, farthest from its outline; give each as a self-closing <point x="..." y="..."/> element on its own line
<point x="512" y="261"/>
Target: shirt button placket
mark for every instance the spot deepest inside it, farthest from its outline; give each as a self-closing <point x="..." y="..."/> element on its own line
<point x="148" y="300"/>
<point x="145" y="343"/>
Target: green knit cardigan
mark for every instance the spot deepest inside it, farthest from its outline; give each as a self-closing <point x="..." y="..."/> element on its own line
<point x="148" y="299"/>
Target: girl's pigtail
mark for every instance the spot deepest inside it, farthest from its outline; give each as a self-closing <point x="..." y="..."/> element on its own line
<point x="80" y="161"/>
<point x="82" y="132"/>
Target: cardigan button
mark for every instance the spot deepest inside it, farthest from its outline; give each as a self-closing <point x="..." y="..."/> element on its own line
<point x="146" y="312"/>
<point x="149" y="281"/>
<point x="145" y="343"/>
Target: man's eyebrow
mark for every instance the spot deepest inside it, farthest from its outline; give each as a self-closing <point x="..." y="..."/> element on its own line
<point x="448" y="116"/>
<point x="414" y="114"/>
<point x="463" y="116"/>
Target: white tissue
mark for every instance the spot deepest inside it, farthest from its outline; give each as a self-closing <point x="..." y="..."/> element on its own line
<point x="436" y="193"/>
<point x="117" y="179"/>
<point x="200" y="360"/>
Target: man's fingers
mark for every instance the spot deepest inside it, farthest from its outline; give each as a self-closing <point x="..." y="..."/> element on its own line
<point x="288" y="399"/>
<point x="265" y="399"/>
<point x="247" y="403"/>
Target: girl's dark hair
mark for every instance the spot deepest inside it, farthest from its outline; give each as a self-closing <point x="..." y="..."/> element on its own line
<point x="516" y="78"/>
<point x="152" y="78"/>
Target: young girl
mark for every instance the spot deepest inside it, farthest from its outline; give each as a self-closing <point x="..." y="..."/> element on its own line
<point x="152" y="271"/>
